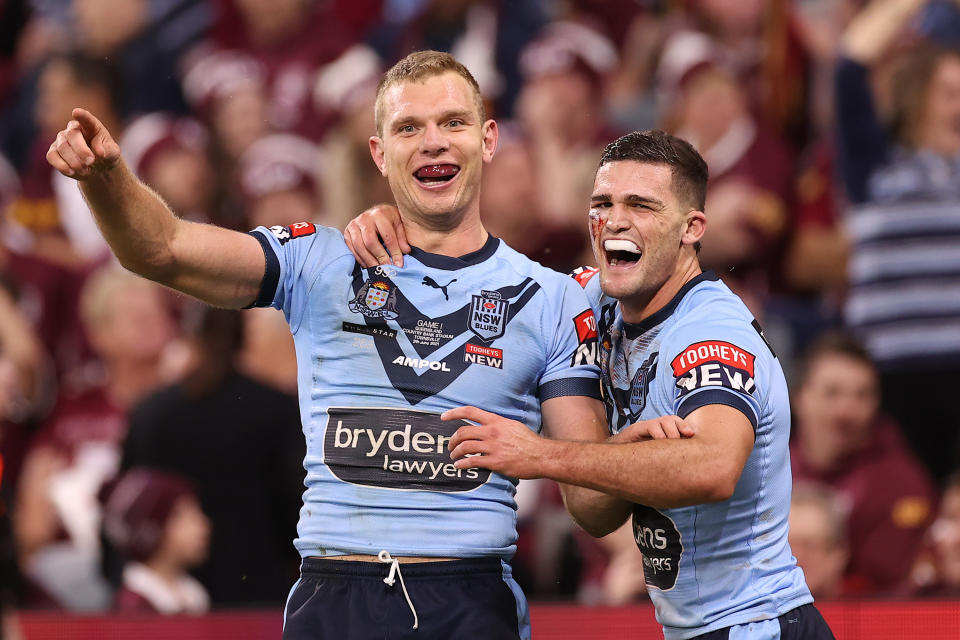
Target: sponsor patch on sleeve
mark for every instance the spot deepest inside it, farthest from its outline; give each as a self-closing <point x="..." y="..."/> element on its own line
<point x="296" y="230"/>
<point x="586" y="326"/>
<point x="583" y="275"/>
<point x="714" y="363"/>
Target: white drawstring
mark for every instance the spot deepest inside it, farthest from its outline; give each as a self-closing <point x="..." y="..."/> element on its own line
<point x="384" y="556"/>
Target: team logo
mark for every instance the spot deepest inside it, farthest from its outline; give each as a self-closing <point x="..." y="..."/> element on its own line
<point x="641" y="385"/>
<point x="376" y="299"/>
<point x="488" y="315"/>
<point x="430" y="282"/>
<point x="297" y="230"/>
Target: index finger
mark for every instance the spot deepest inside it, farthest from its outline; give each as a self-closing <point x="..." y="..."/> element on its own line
<point x="468" y="413"/>
<point x="89" y="124"/>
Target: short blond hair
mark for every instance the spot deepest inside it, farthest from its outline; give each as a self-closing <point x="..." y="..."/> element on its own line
<point x="419" y="66"/>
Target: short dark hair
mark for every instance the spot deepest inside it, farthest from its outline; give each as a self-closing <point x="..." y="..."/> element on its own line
<point x="419" y="66"/>
<point x="688" y="168"/>
<point x="833" y="343"/>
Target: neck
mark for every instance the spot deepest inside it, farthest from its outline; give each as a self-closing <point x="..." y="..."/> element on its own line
<point x="822" y="459"/>
<point x="460" y="238"/>
<point x="128" y="381"/>
<point x="642" y="306"/>
<point x="169" y="572"/>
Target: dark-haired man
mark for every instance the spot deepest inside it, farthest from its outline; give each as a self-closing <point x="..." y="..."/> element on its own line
<point x="709" y="512"/>
<point x="381" y="353"/>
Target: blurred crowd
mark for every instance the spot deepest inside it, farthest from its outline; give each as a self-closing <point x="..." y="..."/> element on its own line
<point x="151" y="446"/>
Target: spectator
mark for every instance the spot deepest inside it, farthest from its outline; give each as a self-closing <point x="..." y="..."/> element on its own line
<point x="278" y="180"/>
<point x="938" y="574"/>
<point x="244" y="458"/>
<point x="903" y="180"/>
<point x="78" y="448"/>
<point x="351" y="181"/>
<point x="818" y="538"/>
<point x="227" y="90"/>
<point x="170" y="155"/>
<point x="48" y="205"/>
<point x="290" y="40"/>
<point x="842" y="441"/>
<point x="751" y="167"/>
<point x="154" y="518"/>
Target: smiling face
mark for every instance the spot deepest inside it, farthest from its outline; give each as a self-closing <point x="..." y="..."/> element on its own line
<point x="432" y="147"/>
<point x="940" y="125"/>
<point x="642" y="235"/>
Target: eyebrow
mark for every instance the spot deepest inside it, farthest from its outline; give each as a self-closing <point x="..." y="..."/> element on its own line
<point x="630" y="199"/>
<point x="462" y="114"/>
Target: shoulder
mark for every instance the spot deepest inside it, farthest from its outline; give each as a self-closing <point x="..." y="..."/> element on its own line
<point x="553" y="283"/>
<point x="305" y="237"/>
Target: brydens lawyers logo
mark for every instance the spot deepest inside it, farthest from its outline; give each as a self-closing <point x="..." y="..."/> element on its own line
<point x="488" y="315"/>
<point x="376" y="299"/>
<point x="714" y="363"/>
<point x="395" y="449"/>
<point x="297" y="230"/>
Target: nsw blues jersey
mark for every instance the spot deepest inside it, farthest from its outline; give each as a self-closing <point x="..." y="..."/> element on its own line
<point x="382" y="352"/>
<point x="713" y="565"/>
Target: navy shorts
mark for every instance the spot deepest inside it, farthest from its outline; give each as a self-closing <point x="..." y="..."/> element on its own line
<point x="802" y="623"/>
<point x="344" y="600"/>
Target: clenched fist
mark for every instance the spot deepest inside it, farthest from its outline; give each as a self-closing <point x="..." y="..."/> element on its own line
<point x="84" y="148"/>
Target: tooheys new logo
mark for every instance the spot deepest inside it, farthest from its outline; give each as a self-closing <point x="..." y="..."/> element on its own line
<point x="586" y="353"/>
<point x="659" y="541"/>
<point x="714" y="363"/>
<point x="395" y="449"/>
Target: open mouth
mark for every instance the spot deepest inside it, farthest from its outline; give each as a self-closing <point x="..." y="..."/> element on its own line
<point x="435" y="174"/>
<point x="621" y="252"/>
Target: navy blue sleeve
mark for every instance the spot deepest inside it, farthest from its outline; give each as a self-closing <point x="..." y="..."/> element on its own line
<point x="862" y="142"/>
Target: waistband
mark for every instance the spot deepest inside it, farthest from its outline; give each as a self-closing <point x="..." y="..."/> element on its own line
<point x="466" y="566"/>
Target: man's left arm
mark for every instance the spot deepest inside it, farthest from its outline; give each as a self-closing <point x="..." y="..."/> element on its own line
<point x="659" y="473"/>
<point x="580" y="418"/>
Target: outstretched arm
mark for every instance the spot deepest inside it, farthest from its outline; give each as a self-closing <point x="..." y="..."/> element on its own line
<point x="662" y="473"/>
<point x="216" y="265"/>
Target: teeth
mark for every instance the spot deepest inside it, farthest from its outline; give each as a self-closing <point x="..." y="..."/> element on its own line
<point x="620" y="245"/>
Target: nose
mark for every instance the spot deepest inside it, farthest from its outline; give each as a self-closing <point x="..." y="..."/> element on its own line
<point x="434" y="140"/>
<point x="616" y="218"/>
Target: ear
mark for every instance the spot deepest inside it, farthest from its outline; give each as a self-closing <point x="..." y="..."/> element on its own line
<point x="376" y="151"/>
<point x="491" y="134"/>
<point x="694" y="228"/>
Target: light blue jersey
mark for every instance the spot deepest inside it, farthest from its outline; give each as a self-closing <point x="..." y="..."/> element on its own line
<point x="382" y="352"/>
<point x="721" y="564"/>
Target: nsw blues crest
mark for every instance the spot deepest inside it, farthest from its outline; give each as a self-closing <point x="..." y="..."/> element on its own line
<point x="640" y="385"/>
<point x="488" y="315"/>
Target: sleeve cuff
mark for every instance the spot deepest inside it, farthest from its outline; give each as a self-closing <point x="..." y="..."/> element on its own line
<point x="717" y="396"/>
<point x="271" y="274"/>
<point x="589" y="387"/>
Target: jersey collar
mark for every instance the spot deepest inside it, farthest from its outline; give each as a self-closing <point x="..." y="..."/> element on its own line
<point x="635" y="330"/>
<point x="449" y="263"/>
